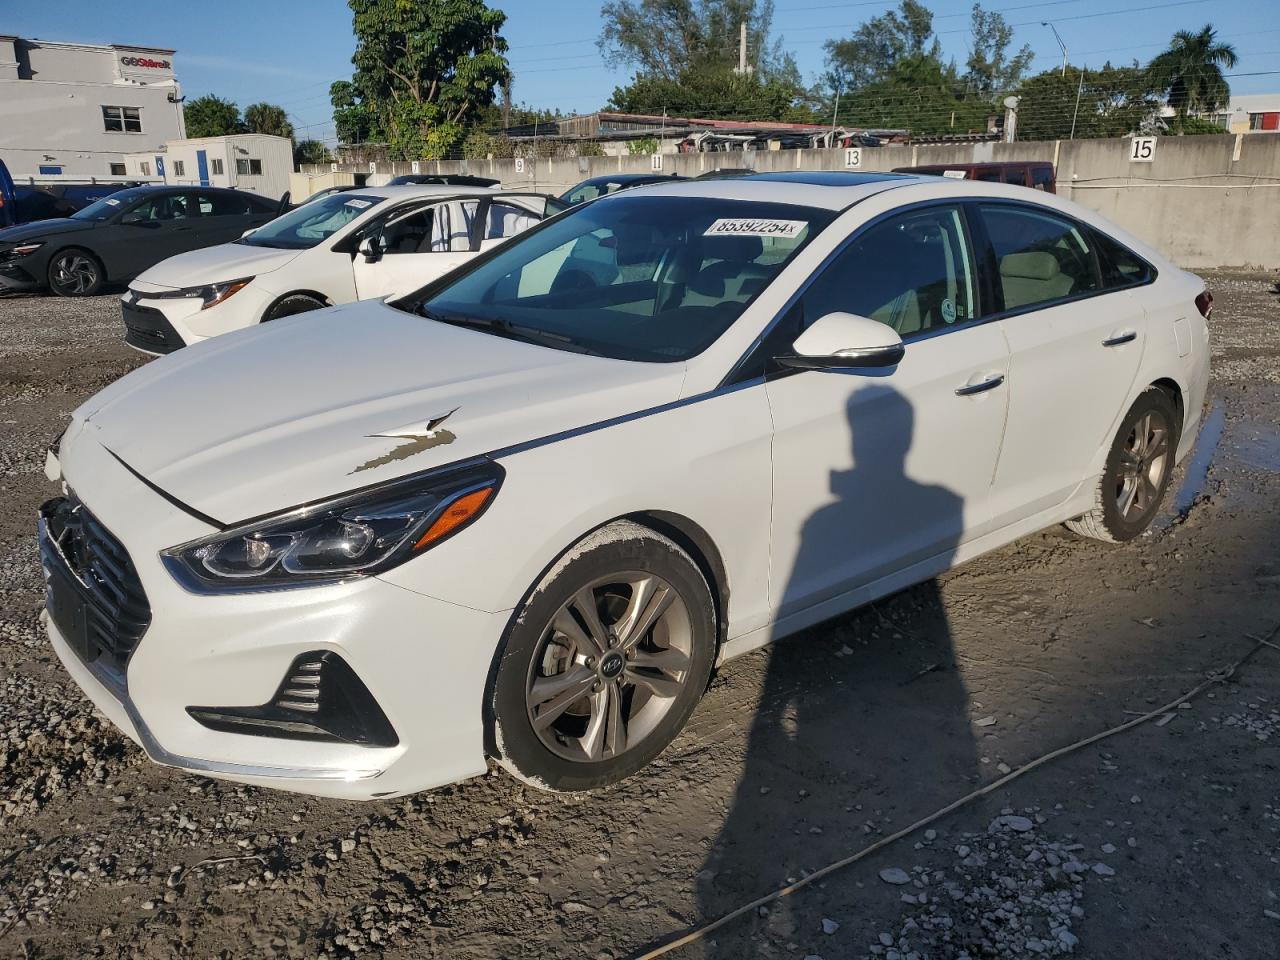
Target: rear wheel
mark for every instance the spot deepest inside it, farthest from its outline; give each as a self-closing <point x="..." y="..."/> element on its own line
<point x="605" y="662"/>
<point x="1137" y="471"/>
<point x="75" y="273"/>
<point x="293" y="303"/>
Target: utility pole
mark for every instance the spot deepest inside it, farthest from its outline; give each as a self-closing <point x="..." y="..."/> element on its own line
<point x="742" y="69"/>
<point x="1079" y="90"/>
<point x="1046" y="23"/>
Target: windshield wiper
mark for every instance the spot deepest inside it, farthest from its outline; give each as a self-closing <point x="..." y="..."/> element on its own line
<point x="512" y="331"/>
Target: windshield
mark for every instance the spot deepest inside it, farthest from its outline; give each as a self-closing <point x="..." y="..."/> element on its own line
<point x="632" y="277"/>
<point x="311" y="223"/>
<point x="108" y="207"/>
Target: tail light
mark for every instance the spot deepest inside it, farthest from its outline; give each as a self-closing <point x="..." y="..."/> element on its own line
<point x="1204" y="303"/>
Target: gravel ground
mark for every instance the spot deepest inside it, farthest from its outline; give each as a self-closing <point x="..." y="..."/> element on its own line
<point x="1162" y="842"/>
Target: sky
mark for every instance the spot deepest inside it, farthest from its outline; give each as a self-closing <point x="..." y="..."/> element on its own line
<point x="288" y="51"/>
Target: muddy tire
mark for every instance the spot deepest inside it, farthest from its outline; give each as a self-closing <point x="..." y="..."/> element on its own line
<point x="292" y="304"/>
<point x="604" y="662"/>
<point x="1137" y="472"/>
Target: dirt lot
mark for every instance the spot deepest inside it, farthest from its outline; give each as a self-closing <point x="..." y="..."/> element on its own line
<point x="1162" y="842"/>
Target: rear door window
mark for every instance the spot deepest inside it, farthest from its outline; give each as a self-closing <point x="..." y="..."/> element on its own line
<point x="1041" y="257"/>
<point x="1120" y="266"/>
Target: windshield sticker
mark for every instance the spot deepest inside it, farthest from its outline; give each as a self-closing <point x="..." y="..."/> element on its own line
<point x="953" y="174"/>
<point x="755" y="228"/>
<point x="111" y="200"/>
<point x="358" y="204"/>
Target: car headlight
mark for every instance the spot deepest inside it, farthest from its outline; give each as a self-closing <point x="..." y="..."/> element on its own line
<point x="355" y="535"/>
<point x="214" y="293"/>
<point x="22" y="250"/>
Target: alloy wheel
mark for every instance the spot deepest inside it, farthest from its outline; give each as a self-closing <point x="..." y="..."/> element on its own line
<point x="609" y="667"/>
<point x="75" y="273"/>
<point x="1144" y="463"/>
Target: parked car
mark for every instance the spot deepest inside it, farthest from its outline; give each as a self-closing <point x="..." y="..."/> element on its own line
<point x="1039" y="175"/>
<point x="122" y="235"/>
<point x="326" y="192"/>
<point x="351" y="245"/>
<point x="442" y="180"/>
<point x="25" y="203"/>
<point x="520" y="515"/>
<point x="602" y="186"/>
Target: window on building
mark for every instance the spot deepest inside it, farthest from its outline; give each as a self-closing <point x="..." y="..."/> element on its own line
<point x="145" y="167"/>
<point x="1255" y="121"/>
<point x="249" y="168"/>
<point x="122" y="119"/>
<point x="117" y="170"/>
<point x="179" y="168"/>
<point x="217" y="166"/>
<point x="49" y="171"/>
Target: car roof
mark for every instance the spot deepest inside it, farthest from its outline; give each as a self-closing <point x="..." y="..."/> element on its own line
<point x="407" y="191"/>
<point x="830" y="189"/>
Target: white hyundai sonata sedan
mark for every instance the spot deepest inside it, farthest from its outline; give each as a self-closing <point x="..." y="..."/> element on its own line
<point x="374" y="242"/>
<point x="522" y="513"/>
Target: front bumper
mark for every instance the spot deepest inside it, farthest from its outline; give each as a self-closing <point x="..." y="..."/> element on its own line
<point x="157" y="321"/>
<point x="424" y="661"/>
<point x="149" y="330"/>
<point x="16" y="278"/>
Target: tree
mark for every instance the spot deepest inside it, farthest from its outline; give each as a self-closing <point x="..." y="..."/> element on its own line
<point x="920" y="94"/>
<point x="268" y="118"/>
<point x="311" y="151"/>
<point x="1113" y="102"/>
<point x="716" y="93"/>
<point x="670" y="38"/>
<point x="991" y="71"/>
<point x="423" y="67"/>
<point x="1190" y="72"/>
<point x="211" y="116"/>
<point x="870" y="54"/>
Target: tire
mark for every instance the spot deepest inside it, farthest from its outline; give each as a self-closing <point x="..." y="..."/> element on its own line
<point x="292" y="304"/>
<point x="1137" y="472"/>
<point x="554" y="691"/>
<point x="74" y="272"/>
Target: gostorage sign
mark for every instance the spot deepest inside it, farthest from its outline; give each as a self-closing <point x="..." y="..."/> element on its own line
<point x="146" y="62"/>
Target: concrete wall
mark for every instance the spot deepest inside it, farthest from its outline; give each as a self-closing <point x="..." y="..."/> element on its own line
<point x="1204" y="201"/>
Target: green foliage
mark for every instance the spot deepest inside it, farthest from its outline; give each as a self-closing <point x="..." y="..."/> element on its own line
<point x="870" y="54"/>
<point x="423" y="68"/>
<point x="1114" y="102"/>
<point x="919" y="94"/>
<point x="668" y="38"/>
<point x="211" y="116"/>
<point x="719" y="94"/>
<point x="311" y="151"/>
<point x="479" y="145"/>
<point x="1190" y="71"/>
<point x="642" y="146"/>
<point x="1199" y="126"/>
<point x="992" y="72"/>
<point x="267" y="118"/>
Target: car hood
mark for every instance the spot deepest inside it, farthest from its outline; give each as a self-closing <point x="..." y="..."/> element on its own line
<point x="312" y="406"/>
<point x="227" y="261"/>
<point x="39" y="229"/>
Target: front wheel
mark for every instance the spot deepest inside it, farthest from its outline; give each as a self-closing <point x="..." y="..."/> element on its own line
<point x="292" y="304"/>
<point x="75" y="273"/>
<point x="605" y="661"/>
<point x="1137" y="471"/>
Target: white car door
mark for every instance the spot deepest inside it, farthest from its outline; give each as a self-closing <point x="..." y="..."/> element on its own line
<point x="1075" y="352"/>
<point x="879" y="469"/>
<point x="508" y="216"/>
<point x="416" y="244"/>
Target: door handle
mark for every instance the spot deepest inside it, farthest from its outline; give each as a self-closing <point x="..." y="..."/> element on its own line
<point x="1127" y="337"/>
<point x="969" y="389"/>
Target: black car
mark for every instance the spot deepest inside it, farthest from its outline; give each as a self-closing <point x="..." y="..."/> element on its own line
<point x="599" y="186"/>
<point x="119" y="236"/>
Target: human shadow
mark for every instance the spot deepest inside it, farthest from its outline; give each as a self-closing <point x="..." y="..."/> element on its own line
<point x="858" y="714"/>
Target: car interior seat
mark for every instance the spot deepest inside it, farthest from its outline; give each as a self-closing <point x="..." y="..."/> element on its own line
<point x="1032" y="276"/>
<point x="728" y="272"/>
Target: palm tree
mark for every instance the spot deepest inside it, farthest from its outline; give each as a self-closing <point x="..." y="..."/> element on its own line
<point x="1190" y="71"/>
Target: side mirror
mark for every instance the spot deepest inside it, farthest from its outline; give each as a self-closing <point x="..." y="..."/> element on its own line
<point x="370" y="248"/>
<point x="845" y="341"/>
<point x="247" y="232"/>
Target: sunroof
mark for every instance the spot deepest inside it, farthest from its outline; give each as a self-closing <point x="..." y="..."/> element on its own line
<point x="828" y="178"/>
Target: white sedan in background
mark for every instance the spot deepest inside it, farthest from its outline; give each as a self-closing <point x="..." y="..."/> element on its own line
<point x="522" y="512"/>
<point x="353" y="245"/>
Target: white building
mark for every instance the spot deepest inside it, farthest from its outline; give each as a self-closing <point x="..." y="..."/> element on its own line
<point x="255" y="162"/>
<point x="76" y="110"/>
